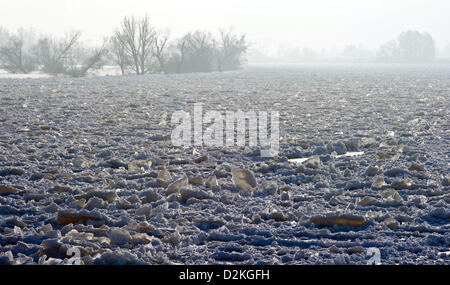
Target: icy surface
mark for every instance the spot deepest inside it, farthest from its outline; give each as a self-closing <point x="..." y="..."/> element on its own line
<point x="88" y="163"/>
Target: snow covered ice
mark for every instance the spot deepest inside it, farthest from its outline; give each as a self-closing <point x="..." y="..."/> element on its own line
<point x="363" y="163"/>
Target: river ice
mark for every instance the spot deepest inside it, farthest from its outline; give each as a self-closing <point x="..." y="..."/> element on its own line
<point x="88" y="163"/>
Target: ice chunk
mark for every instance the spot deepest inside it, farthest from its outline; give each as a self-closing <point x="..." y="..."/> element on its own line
<point x="355" y="249"/>
<point x="94" y="203"/>
<point x="194" y="193"/>
<point x="333" y="249"/>
<point x="313" y="162"/>
<point x="378" y="182"/>
<point x="173" y="238"/>
<point x="299" y="160"/>
<point x="404" y="183"/>
<point x="34" y="197"/>
<point x="211" y="181"/>
<point x="416" y="167"/>
<point x="394" y="172"/>
<point x="6" y="258"/>
<point x="368" y="201"/>
<point x="269" y="188"/>
<point x="133" y="168"/>
<point x="164" y="175"/>
<point x="66" y="217"/>
<point x="150" y="196"/>
<point x="134" y="199"/>
<point x="196" y="181"/>
<point x="243" y="179"/>
<point x="61" y="189"/>
<point x="109" y="196"/>
<point x="338" y="147"/>
<point x="203" y="158"/>
<point x="341" y="220"/>
<point x="45" y="228"/>
<point x="391" y="223"/>
<point x="372" y="170"/>
<point x="118" y="257"/>
<point x="351" y="154"/>
<point x="142" y="238"/>
<point x="352" y="144"/>
<point x="6" y="190"/>
<point x="392" y="195"/>
<point x="11" y="171"/>
<point x="74" y="234"/>
<point x="177" y="186"/>
<point x="144" y="211"/>
<point x="115" y="163"/>
<point x="119" y="236"/>
<point x="277" y="216"/>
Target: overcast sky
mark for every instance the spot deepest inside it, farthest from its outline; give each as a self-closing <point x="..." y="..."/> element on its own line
<point x="314" y="23"/>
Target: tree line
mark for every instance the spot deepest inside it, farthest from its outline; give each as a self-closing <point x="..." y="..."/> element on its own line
<point x="136" y="47"/>
<point x="408" y="46"/>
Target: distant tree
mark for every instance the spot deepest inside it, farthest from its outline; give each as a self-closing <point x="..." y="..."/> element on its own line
<point x="389" y="51"/>
<point x="138" y="46"/>
<point x="229" y="50"/>
<point x="15" y="55"/>
<point x="56" y="56"/>
<point x="415" y="46"/>
<point x="146" y="39"/>
<point x="410" y="46"/>
<point x="195" y="52"/>
<point x="87" y="59"/>
<point x="4" y="35"/>
<point x="179" y="57"/>
<point x="68" y="56"/>
<point x="137" y="38"/>
<point x="159" y="50"/>
<point x="118" y="53"/>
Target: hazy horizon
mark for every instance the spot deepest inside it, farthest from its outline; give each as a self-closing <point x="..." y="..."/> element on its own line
<point x="317" y="25"/>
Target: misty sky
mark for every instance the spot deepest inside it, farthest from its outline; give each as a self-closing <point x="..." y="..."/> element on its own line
<point x="315" y="23"/>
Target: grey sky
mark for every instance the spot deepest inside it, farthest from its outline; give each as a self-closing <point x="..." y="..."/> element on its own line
<point x="314" y="23"/>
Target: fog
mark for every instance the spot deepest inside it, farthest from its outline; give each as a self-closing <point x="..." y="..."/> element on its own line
<point x="275" y="29"/>
<point x="317" y="24"/>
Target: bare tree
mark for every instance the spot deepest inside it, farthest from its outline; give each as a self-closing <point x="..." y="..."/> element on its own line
<point x="199" y="52"/>
<point x="229" y="50"/>
<point x="128" y="38"/>
<point x="86" y="60"/>
<point x="195" y="52"/>
<point x="119" y="56"/>
<point x="182" y="52"/>
<point x="68" y="56"/>
<point x="137" y="37"/>
<point x="146" y="39"/>
<point x="14" y="55"/>
<point x="160" y="42"/>
<point x="55" y="56"/>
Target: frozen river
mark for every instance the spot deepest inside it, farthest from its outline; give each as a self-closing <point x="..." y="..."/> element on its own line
<point x="87" y="165"/>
